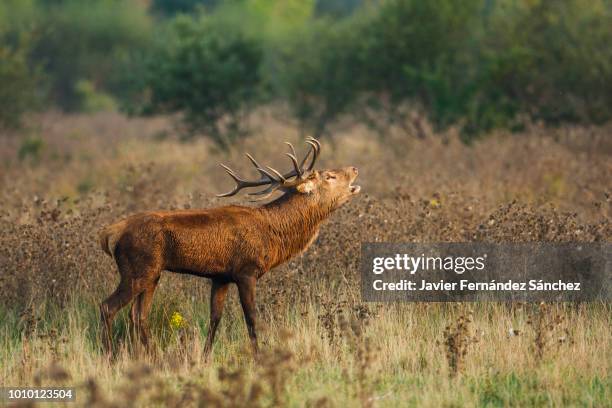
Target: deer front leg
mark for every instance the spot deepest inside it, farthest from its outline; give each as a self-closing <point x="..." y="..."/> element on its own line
<point x="246" y="290"/>
<point x="218" y="292"/>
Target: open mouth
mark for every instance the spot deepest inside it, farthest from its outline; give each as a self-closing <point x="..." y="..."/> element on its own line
<point x="354" y="189"/>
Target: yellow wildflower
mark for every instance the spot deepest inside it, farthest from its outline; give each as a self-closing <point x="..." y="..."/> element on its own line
<point x="177" y="321"/>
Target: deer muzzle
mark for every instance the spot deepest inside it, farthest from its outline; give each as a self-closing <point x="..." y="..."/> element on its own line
<point x="353" y="173"/>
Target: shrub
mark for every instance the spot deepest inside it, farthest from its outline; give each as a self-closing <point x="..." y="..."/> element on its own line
<point x="336" y="8"/>
<point x="87" y="41"/>
<point x="420" y="53"/>
<point x="489" y="65"/>
<point x="30" y="147"/>
<point x="19" y="81"/>
<point x="208" y="72"/>
<point x="383" y="58"/>
<point x="171" y="7"/>
<point x="549" y="61"/>
<point x="479" y="65"/>
<point x="321" y="72"/>
<point x="476" y="64"/>
<point x="92" y="100"/>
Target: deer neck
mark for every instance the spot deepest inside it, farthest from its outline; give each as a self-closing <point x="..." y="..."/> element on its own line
<point x="293" y="222"/>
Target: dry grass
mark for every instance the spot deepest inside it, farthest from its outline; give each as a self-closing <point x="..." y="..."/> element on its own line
<point x="321" y="345"/>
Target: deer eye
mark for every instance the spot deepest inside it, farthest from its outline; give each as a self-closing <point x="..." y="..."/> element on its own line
<point x="329" y="176"/>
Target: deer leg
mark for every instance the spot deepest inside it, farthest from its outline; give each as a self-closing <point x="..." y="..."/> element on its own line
<point x="134" y="320"/>
<point x="140" y="311"/>
<point x="146" y="301"/>
<point x="108" y="309"/>
<point x="246" y="290"/>
<point x="218" y="292"/>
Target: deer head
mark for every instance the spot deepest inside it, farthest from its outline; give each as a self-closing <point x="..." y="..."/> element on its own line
<point x="333" y="187"/>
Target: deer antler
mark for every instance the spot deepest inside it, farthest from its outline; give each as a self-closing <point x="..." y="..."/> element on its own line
<point x="273" y="178"/>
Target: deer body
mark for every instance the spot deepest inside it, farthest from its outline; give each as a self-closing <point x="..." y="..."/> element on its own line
<point x="229" y="245"/>
<point x="218" y="242"/>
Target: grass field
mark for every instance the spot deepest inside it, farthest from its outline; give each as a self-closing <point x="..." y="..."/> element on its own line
<point x="321" y="346"/>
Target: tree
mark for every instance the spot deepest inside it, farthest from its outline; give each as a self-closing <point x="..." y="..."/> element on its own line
<point x="209" y="73"/>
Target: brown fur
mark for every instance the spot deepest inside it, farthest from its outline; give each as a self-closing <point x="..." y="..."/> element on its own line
<point x="232" y="244"/>
<point x="109" y="236"/>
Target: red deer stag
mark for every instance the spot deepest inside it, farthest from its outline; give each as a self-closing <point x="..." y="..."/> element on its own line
<point x="231" y="244"/>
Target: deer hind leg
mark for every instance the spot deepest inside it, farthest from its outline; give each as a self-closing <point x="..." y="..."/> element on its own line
<point x="108" y="309"/>
<point x="218" y="293"/>
<point x="140" y="312"/>
<point x="135" y="283"/>
<point x="134" y="329"/>
<point x="246" y="290"/>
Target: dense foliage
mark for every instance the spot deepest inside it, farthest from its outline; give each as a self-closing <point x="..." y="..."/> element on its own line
<point x="18" y="82"/>
<point x="207" y="72"/>
<point x="476" y="64"/>
<point x="76" y="43"/>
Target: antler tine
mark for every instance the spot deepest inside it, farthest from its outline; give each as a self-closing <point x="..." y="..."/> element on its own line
<point x="315" y="152"/>
<point x="292" y="148"/>
<point x="270" y="177"/>
<point x="277" y="173"/>
<point x="231" y="172"/>
<point x="271" y="188"/>
<point x="312" y="139"/>
<point x="252" y="159"/>
<point x="253" y="200"/>
<point x="237" y="179"/>
<point x="315" y="148"/>
<point x="266" y="179"/>
<point x="297" y="169"/>
<point x="230" y="193"/>
<point x="260" y="169"/>
<point x="304" y="159"/>
<point x="298" y="172"/>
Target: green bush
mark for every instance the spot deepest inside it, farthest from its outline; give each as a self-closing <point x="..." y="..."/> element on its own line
<point x="88" y="41"/>
<point x="477" y="64"/>
<point x="21" y="80"/>
<point x="321" y="73"/>
<point x="208" y="72"/>
<point x="31" y="147"/>
<point x="381" y="59"/>
<point x="18" y="83"/>
<point x="93" y="100"/>
<point x="336" y="8"/>
<point x="550" y="61"/>
<point x="171" y="7"/>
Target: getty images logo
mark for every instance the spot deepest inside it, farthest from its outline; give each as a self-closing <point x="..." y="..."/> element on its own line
<point x="413" y="264"/>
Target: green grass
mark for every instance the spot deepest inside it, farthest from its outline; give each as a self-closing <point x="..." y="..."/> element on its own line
<point x="399" y="356"/>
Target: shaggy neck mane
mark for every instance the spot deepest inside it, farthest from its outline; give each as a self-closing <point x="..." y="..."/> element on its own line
<point x="293" y="221"/>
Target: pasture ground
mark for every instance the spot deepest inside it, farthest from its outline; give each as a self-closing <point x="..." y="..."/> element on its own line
<point x="321" y="346"/>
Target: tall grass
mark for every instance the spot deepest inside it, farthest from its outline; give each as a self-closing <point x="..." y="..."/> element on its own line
<point x="395" y="356"/>
<point x="321" y="346"/>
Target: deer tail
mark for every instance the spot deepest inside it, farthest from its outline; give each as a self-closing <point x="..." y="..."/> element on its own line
<point x="109" y="236"/>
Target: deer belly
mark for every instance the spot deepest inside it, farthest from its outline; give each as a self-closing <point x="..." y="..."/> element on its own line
<point x="197" y="257"/>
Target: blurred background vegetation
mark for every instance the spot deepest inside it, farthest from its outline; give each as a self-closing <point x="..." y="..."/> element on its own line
<point x="474" y="64"/>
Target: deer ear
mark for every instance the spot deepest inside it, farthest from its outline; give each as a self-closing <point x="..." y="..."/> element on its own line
<point x="306" y="187"/>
